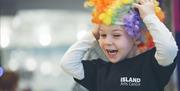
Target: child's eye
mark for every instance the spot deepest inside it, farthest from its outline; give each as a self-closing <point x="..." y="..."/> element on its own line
<point x="117" y="35"/>
<point x="103" y="35"/>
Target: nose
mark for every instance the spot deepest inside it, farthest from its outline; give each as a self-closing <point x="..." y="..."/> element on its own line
<point x="108" y="41"/>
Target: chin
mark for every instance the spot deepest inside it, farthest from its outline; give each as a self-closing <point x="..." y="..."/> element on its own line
<point x="114" y="60"/>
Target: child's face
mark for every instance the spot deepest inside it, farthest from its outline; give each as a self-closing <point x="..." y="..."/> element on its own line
<point x="116" y="43"/>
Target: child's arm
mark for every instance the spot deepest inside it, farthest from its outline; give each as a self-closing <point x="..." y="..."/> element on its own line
<point x="71" y="61"/>
<point x="166" y="48"/>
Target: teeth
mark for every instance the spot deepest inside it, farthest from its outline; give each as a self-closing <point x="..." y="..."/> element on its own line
<point x="111" y="51"/>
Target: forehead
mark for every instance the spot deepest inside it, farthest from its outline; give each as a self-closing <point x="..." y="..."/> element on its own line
<point x="111" y="28"/>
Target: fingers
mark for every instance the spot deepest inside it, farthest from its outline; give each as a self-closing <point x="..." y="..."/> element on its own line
<point x="145" y="1"/>
<point x="151" y="0"/>
<point x="141" y="1"/>
<point x="135" y="5"/>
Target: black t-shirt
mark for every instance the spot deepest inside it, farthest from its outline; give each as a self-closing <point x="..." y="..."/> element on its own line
<point x="140" y="73"/>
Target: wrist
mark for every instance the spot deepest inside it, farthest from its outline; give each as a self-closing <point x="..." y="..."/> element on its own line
<point x="96" y="34"/>
<point x="149" y="17"/>
<point x="145" y="15"/>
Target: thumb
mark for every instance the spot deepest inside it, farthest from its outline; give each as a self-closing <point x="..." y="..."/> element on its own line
<point x="135" y="5"/>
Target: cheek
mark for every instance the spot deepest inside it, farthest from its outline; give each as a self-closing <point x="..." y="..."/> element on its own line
<point x="124" y="43"/>
<point x="129" y="45"/>
<point x="100" y="43"/>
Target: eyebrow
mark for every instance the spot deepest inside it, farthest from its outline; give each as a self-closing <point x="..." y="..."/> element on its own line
<point x="114" y="30"/>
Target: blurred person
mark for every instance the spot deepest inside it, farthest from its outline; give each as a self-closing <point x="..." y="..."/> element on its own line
<point x="9" y="81"/>
<point x="134" y="65"/>
<point x="1" y="71"/>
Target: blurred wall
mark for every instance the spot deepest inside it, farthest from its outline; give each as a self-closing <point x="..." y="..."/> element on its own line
<point x="176" y="28"/>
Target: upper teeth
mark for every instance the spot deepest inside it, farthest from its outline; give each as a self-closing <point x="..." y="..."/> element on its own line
<point x="112" y="50"/>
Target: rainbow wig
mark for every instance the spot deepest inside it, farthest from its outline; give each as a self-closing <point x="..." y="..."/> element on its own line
<point x="121" y="12"/>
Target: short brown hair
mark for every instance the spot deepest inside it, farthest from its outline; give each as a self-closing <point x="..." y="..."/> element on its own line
<point x="9" y="81"/>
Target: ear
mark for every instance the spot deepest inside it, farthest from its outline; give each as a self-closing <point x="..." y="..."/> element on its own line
<point x="136" y="41"/>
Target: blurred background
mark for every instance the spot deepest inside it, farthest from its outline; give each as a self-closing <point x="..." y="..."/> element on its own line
<point x="34" y="35"/>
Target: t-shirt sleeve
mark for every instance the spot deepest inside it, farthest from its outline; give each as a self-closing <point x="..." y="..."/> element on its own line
<point x="90" y="72"/>
<point x="162" y="73"/>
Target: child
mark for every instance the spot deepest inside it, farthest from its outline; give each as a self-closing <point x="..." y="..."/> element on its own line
<point x="120" y="35"/>
<point x="9" y="81"/>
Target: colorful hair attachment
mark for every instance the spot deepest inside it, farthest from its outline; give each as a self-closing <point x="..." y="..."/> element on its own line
<point x="109" y="11"/>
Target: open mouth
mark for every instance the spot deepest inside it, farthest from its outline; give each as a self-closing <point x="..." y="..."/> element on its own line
<point x="111" y="53"/>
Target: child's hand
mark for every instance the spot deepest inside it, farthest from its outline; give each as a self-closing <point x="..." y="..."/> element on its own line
<point x="96" y="33"/>
<point x="145" y="7"/>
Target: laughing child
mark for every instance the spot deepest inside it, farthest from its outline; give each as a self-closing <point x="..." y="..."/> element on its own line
<point x="140" y="49"/>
